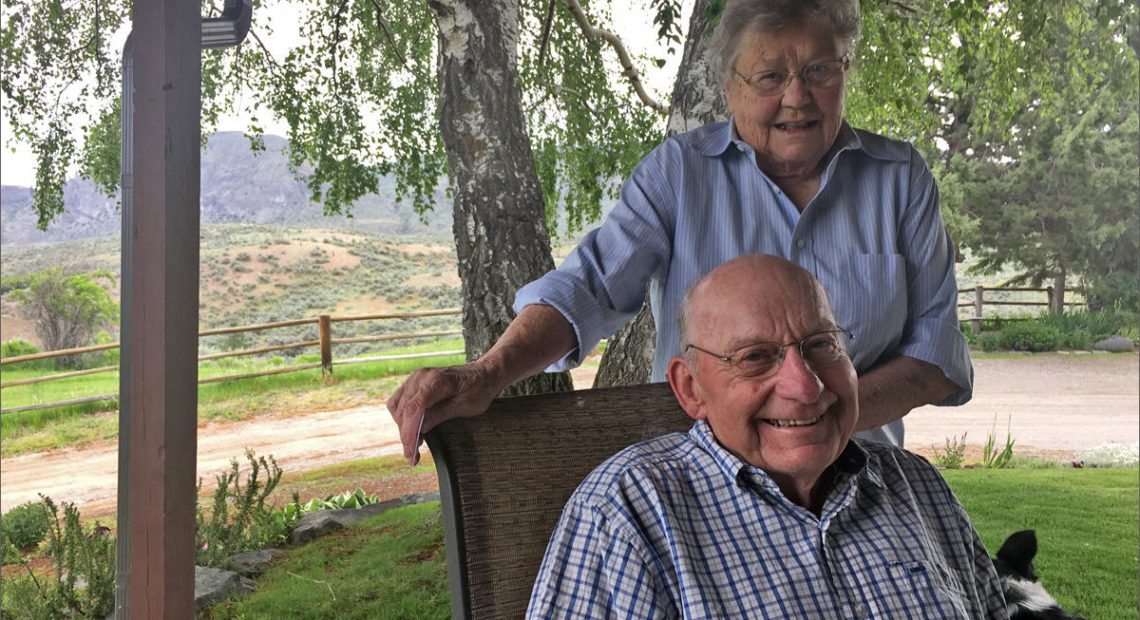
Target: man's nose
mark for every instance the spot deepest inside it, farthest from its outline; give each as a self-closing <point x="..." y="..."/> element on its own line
<point x="796" y="380"/>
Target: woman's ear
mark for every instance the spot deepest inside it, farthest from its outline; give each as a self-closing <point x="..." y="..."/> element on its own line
<point x="686" y="387"/>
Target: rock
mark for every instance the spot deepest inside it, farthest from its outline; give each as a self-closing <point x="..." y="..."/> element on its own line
<point x="1115" y="344"/>
<point x="321" y="522"/>
<point x="254" y="563"/>
<point x="212" y="585"/>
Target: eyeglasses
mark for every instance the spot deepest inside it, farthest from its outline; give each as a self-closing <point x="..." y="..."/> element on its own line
<point x="820" y="350"/>
<point x="818" y="75"/>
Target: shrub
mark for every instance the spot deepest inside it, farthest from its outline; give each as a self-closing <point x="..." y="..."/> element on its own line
<point x="968" y="333"/>
<point x="26" y="525"/>
<point x="14" y="283"/>
<point x="1030" y="336"/>
<point x="989" y="341"/>
<point x="1112" y="455"/>
<point x="82" y="583"/>
<point x="1131" y="332"/>
<point x="239" y="520"/>
<point x="99" y="359"/>
<point x="17" y="347"/>
<point x="951" y="458"/>
<point x="243" y="257"/>
<point x="1103" y="324"/>
<point x="1078" y="340"/>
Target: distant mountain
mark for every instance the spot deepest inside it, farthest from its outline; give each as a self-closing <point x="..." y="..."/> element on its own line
<point x="238" y="185"/>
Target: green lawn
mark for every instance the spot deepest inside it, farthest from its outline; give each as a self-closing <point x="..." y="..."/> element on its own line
<point x="1087" y="529"/>
<point x="393" y="566"/>
<point x="390" y="566"/>
<point x="304" y="390"/>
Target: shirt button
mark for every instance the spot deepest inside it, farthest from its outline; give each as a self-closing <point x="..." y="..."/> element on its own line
<point x="801" y="243"/>
<point x="861" y="610"/>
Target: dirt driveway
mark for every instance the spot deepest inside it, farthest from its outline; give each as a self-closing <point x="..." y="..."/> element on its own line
<point x="1057" y="406"/>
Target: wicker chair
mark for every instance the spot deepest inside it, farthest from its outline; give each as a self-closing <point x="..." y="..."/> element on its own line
<point x="504" y="477"/>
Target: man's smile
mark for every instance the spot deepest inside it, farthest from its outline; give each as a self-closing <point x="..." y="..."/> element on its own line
<point x="787" y="423"/>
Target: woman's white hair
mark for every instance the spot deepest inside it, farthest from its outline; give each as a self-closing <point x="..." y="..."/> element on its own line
<point x="741" y="17"/>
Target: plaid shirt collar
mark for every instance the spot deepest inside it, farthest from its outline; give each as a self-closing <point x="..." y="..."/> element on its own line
<point x="853" y="467"/>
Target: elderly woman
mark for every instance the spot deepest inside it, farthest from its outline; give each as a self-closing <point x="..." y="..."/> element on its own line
<point x="786" y="176"/>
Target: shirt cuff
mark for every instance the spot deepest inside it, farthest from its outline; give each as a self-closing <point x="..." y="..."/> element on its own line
<point x="564" y="293"/>
<point x="942" y="344"/>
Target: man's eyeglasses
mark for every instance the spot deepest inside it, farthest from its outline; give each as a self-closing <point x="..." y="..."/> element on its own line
<point x="819" y="350"/>
<point x="818" y="75"/>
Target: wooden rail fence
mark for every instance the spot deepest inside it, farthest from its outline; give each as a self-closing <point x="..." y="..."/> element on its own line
<point x="979" y="302"/>
<point x="324" y="343"/>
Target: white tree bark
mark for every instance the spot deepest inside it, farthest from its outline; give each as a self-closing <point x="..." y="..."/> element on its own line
<point x="500" y="218"/>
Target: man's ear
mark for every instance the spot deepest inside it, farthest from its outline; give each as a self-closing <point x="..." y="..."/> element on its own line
<point x="686" y="387"/>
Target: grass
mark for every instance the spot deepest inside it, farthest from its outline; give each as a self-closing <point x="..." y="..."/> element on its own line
<point x="390" y="566"/>
<point x="305" y="390"/>
<point x="1086" y="529"/>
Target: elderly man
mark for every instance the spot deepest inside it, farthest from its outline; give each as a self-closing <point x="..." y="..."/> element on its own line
<point x="766" y="508"/>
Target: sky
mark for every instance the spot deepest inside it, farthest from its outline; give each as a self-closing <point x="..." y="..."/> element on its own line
<point x="17" y="163"/>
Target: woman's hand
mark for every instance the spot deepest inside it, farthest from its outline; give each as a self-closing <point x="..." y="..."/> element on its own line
<point x="433" y="395"/>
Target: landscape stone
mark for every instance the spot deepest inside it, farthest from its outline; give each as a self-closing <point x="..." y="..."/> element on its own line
<point x="254" y="563"/>
<point x="212" y="585"/>
<point x="1115" y="344"/>
<point x="321" y="522"/>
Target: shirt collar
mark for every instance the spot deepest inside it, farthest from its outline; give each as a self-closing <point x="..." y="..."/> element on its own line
<point x="854" y="461"/>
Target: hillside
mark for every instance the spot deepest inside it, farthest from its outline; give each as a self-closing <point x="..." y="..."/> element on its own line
<point x="253" y="274"/>
<point x="267" y="252"/>
<point x="238" y="185"/>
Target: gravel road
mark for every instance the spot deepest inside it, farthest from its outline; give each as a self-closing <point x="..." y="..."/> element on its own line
<point x="1056" y="405"/>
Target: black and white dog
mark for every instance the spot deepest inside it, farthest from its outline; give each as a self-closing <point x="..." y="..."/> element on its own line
<point x="1025" y="598"/>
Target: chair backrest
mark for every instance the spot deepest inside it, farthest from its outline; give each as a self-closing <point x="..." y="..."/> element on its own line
<point x="505" y="475"/>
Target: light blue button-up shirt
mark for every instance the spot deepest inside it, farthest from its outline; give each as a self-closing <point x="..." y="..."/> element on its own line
<point x="873" y="236"/>
<point x="678" y="527"/>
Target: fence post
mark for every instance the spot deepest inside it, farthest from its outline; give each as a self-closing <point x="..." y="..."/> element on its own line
<point x="326" y="345"/>
<point x="1049" y="298"/>
<point x="976" y="322"/>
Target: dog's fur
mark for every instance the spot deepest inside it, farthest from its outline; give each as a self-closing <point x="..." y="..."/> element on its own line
<point x="1025" y="598"/>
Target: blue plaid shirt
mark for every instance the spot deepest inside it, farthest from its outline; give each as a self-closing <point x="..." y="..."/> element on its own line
<point x="873" y="237"/>
<point x="678" y="527"/>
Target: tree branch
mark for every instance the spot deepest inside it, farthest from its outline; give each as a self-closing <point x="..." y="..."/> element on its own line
<point x="265" y="50"/>
<point x="388" y="36"/>
<point x="902" y="6"/>
<point x="628" y="69"/>
<point x="338" y="20"/>
<point x="545" y="40"/>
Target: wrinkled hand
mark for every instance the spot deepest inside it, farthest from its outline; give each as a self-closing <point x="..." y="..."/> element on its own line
<point x="434" y="395"/>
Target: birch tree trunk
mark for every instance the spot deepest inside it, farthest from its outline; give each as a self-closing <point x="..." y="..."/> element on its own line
<point x="698" y="99"/>
<point x="501" y="240"/>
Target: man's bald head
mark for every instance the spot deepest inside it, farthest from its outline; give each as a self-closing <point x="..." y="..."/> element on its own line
<point x="761" y="276"/>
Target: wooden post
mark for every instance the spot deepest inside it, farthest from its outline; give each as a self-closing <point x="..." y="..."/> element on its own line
<point x="158" y="389"/>
<point x="976" y="322"/>
<point x="326" y="345"/>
